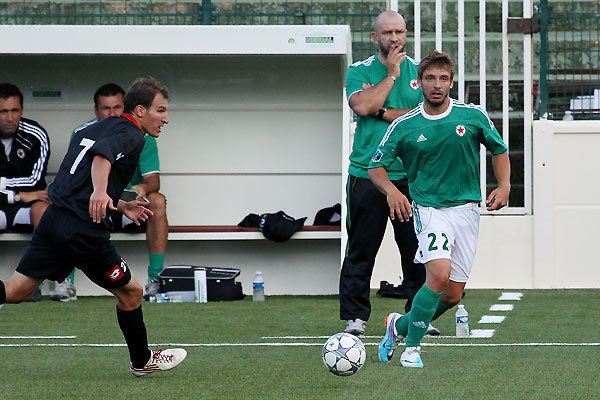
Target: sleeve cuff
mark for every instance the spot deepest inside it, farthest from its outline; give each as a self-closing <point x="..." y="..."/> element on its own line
<point x="2" y="183"/>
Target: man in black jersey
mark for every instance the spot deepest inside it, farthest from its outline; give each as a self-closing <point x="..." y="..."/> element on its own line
<point x="24" y="154"/>
<point x="74" y="230"/>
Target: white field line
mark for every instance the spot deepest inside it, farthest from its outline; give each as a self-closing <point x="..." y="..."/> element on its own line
<point x="328" y="336"/>
<point x="38" y="337"/>
<point x="510" y="296"/>
<point x="293" y="344"/>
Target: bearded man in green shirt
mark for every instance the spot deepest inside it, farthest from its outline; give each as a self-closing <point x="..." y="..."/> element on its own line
<point x="439" y="144"/>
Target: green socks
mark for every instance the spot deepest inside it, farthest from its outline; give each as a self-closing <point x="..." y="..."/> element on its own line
<point x="157" y="262"/>
<point x="441" y="308"/>
<point x="414" y="324"/>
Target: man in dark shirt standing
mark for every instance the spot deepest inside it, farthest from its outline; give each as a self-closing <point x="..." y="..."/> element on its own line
<point x="74" y="230"/>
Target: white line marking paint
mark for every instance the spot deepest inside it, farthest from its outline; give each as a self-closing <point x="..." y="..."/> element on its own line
<point x="362" y="337"/>
<point x="38" y="337"/>
<point x="292" y="344"/>
<point x="502" y="307"/>
<point x="491" y="319"/>
<point x="510" y="296"/>
<point x="482" y="333"/>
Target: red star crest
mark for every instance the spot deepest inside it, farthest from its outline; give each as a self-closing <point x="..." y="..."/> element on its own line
<point x="460" y="130"/>
<point x="414" y="84"/>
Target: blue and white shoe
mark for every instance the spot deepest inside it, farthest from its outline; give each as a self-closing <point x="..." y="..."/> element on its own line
<point x="411" y="357"/>
<point x="391" y="339"/>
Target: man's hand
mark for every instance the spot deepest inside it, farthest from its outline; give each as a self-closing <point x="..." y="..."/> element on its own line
<point x="394" y="59"/>
<point x="135" y="210"/>
<point x="400" y="207"/>
<point x="27" y="197"/>
<point x="98" y="203"/>
<point x="498" y="198"/>
<point x="399" y="204"/>
<point x="141" y="192"/>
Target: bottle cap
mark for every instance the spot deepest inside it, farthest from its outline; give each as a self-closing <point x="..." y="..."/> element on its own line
<point x="461" y="306"/>
<point x="258" y="272"/>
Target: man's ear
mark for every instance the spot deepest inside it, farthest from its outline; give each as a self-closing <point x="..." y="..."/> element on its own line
<point x="139" y="111"/>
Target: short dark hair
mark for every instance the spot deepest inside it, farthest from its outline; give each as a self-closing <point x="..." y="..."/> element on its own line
<point x="9" y="90"/>
<point x="110" y="89"/>
<point x="436" y="59"/>
<point x="142" y="93"/>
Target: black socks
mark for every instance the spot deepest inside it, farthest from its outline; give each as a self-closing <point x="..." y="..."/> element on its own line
<point x="134" y="330"/>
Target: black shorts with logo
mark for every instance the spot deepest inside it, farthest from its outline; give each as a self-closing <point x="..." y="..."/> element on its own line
<point x="62" y="241"/>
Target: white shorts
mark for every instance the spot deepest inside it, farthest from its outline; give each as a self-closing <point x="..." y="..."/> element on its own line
<point x="449" y="233"/>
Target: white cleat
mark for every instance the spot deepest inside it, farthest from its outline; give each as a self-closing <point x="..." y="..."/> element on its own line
<point x="432" y="331"/>
<point x="161" y="360"/>
<point x="411" y="357"/>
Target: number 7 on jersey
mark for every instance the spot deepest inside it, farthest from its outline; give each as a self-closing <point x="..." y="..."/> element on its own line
<point x="87" y="144"/>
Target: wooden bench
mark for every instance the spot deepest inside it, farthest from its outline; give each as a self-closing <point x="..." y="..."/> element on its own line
<point x="209" y="232"/>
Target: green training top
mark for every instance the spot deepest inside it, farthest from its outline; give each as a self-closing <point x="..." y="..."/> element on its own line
<point x="369" y="130"/>
<point x="440" y="152"/>
<point x="148" y="162"/>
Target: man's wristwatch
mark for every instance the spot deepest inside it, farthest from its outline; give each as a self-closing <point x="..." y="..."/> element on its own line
<point x="380" y="113"/>
<point x="17" y="197"/>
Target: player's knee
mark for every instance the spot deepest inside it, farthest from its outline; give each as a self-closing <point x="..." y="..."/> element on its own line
<point x="437" y="279"/>
<point x="158" y="203"/>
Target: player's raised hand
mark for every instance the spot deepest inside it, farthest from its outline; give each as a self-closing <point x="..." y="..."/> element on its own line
<point x="136" y="211"/>
<point x="498" y="198"/>
<point x="99" y="202"/>
<point x="400" y="207"/>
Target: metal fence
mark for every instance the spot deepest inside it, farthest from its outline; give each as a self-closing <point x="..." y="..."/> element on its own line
<point x="358" y="14"/>
<point x="570" y="60"/>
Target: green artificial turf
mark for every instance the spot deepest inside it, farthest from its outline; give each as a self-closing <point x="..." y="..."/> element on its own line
<point x="219" y="370"/>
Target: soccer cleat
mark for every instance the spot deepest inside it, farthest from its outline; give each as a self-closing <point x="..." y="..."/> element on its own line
<point x="411" y="357"/>
<point x="152" y="289"/>
<point x="432" y="331"/>
<point x="356" y="327"/>
<point x="65" y="291"/>
<point x="161" y="360"/>
<point x="391" y="339"/>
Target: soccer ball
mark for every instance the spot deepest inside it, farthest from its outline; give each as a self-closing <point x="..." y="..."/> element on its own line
<point x="344" y="354"/>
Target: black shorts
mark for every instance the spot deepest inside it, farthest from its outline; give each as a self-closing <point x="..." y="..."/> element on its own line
<point x="62" y="241"/>
<point x="10" y="212"/>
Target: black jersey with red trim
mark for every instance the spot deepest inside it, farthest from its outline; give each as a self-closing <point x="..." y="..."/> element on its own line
<point x="24" y="170"/>
<point x="119" y="140"/>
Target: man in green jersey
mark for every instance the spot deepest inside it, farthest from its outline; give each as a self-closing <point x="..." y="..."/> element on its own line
<point x="379" y="89"/>
<point x="438" y="143"/>
<point x="145" y="184"/>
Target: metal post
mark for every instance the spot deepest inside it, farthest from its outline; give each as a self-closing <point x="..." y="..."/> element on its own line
<point x="544" y="59"/>
<point x="206" y="12"/>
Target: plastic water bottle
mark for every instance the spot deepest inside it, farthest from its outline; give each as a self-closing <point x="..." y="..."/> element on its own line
<point x="258" y="287"/>
<point x="568" y="116"/>
<point x="462" y="322"/>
